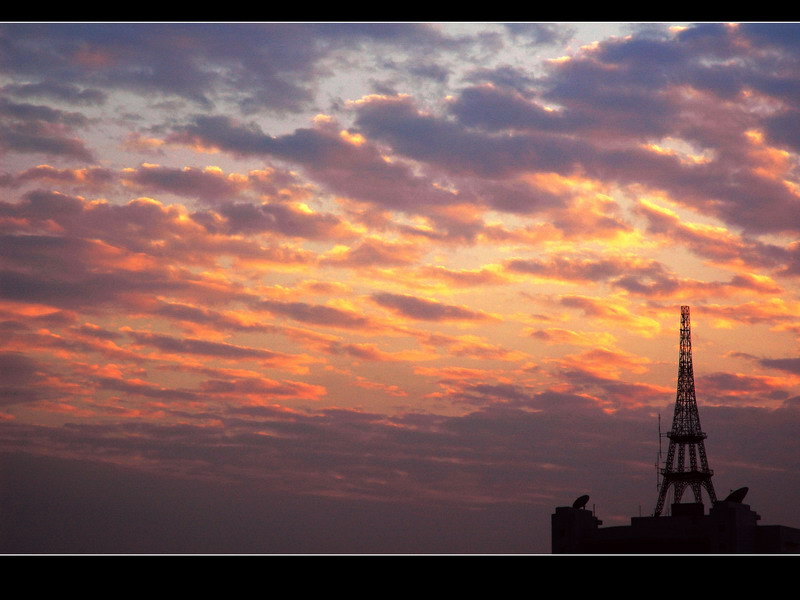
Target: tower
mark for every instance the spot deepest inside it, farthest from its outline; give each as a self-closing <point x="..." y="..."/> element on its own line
<point x="686" y="436"/>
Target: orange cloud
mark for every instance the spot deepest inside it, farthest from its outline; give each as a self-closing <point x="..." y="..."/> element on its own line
<point x="612" y="312"/>
<point x="554" y="335"/>
<point x="605" y="363"/>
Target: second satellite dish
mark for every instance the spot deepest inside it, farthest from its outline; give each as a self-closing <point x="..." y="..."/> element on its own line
<point x="581" y="502"/>
<point x="737" y="495"/>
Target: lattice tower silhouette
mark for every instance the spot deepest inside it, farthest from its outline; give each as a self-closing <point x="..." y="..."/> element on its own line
<point x="686" y="436"/>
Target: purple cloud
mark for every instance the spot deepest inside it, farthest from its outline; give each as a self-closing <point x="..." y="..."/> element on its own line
<point x="427" y="310"/>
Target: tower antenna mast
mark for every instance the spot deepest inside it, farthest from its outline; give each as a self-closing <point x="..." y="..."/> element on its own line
<point x="686" y="437"/>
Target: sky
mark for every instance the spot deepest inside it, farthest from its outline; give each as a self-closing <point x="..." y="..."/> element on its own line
<point x="388" y="287"/>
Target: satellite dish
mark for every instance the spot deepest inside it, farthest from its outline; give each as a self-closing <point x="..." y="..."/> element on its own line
<point x="580" y="502"/>
<point x="737" y="495"/>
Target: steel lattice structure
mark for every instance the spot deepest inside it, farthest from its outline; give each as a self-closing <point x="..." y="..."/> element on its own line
<point x="686" y="437"/>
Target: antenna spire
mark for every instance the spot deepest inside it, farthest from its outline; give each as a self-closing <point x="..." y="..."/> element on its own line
<point x="686" y="436"/>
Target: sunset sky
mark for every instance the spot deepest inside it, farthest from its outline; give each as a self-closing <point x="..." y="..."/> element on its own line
<point x="400" y="287"/>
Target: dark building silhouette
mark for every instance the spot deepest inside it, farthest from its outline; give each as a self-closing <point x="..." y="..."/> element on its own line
<point x="730" y="526"/>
